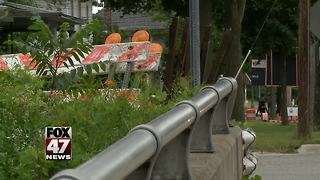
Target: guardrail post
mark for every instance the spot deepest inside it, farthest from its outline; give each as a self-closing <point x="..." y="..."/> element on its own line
<point x="201" y="134"/>
<point x="215" y="120"/>
<point x="170" y="161"/>
<point x="223" y="110"/>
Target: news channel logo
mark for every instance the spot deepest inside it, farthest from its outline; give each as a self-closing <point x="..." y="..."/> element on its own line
<point x="58" y="143"/>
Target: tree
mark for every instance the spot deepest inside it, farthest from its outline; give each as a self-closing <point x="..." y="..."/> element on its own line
<point x="48" y="51"/>
<point x="280" y="29"/>
<point x="279" y="33"/>
<point x="231" y="19"/>
<point x="305" y="112"/>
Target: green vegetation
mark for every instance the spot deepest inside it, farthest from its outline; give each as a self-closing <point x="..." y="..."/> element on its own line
<point x="256" y="177"/>
<point x="97" y="122"/>
<point x="273" y="137"/>
<point x="48" y="51"/>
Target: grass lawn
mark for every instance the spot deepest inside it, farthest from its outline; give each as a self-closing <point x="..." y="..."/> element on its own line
<point x="273" y="137"/>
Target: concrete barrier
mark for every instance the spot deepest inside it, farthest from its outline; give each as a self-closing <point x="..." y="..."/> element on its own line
<point x="226" y="161"/>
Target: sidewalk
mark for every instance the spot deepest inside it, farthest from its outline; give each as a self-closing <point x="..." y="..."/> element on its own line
<point x="304" y="165"/>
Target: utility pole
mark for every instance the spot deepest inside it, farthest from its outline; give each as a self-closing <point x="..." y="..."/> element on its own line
<point x="304" y="125"/>
<point x="315" y="65"/>
<point x="194" y="19"/>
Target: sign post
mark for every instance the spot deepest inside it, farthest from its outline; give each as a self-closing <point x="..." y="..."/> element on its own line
<point x="194" y="19"/>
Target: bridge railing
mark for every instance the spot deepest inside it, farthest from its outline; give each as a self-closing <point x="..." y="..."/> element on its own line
<point x="160" y="149"/>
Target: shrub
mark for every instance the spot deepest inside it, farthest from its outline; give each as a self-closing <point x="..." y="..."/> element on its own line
<point x="25" y="111"/>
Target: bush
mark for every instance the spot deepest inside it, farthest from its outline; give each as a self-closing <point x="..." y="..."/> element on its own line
<point x="25" y="111"/>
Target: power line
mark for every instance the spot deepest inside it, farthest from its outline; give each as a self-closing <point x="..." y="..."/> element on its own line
<point x="255" y="40"/>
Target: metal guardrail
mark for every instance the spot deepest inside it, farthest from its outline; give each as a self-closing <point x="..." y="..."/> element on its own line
<point x="160" y="150"/>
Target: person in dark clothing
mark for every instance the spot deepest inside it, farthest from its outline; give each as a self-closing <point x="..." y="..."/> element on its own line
<point x="262" y="107"/>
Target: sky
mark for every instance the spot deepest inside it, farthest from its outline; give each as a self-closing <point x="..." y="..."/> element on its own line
<point x="95" y="9"/>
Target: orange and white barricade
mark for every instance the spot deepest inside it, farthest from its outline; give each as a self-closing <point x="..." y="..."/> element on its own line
<point x="120" y="53"/>
<point x="251" y="114"/>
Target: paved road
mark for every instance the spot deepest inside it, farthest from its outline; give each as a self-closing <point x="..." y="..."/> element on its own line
<point x="304" y="165"/>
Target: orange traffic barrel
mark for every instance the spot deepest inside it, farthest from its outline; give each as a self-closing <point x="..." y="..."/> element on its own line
<point x="251" y="114"/>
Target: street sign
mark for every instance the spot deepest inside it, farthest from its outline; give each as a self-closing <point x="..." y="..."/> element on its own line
<point x="292" y="111"/>
<point x="258" y="71"/>
<point x="315" y="19"/>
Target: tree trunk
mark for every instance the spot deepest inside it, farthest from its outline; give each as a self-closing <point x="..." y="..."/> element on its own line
<point x="107" y="16"/>
<point x="283" y="105"/>
<point x="205" y="48"/>
<point x="212" y="72"/>
<point x="317" y="92"/>
<point x="304" y="124"/>
<point x="317" y="100"/>
<point x="232" y="60"/>
<point x="273" y="102"/>
<point x="183" y="65"/>
<point x="169" y="73"/>
<point x="279" y="100"/>
<point x="205" y="34"/>
<point x="312" y="82"/>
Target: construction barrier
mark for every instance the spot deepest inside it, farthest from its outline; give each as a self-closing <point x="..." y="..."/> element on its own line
<point x="251" y="114"/>
<point x="119" y="53"/>
<point x="278" y="119"/>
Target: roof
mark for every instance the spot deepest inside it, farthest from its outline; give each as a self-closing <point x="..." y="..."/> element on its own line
<point x="16" y="17"/>
<point x="133" y="21"/>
